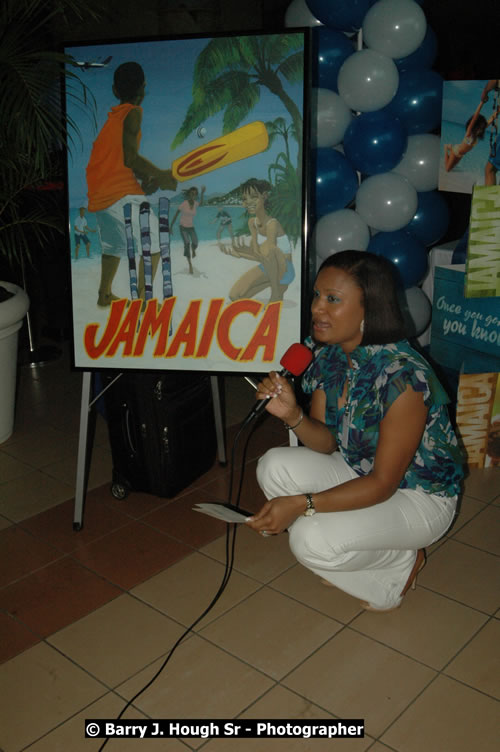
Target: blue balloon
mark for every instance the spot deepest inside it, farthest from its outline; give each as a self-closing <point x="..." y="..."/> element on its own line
<point x="423" y="57"/>
<point x="418" y="100"/>
<point x="431" y="219"/>
<point x="330" y="49"/>
<point x="406" y="252"/>
<point x="335" y="181"/>
<point x="375" y="142"/>
<point x="346" y="15"/>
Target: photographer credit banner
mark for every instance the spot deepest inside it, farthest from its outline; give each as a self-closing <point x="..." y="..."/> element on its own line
<point x="200" y="268"/>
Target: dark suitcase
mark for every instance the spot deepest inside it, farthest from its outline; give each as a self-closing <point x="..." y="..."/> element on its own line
<point x="161" y="430"/>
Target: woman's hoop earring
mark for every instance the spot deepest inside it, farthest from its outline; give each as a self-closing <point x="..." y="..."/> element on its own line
<point x="362" y="327"/>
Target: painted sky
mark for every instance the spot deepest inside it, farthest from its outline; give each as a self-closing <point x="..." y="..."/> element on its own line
<point x="169" y="67"/>
<point x="460" y="99"/>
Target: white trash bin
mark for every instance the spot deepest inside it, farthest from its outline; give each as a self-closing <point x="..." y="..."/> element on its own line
<point x="12" y="313"/>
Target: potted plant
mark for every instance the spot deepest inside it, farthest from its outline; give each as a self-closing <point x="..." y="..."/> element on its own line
<point x="33" y="137"/>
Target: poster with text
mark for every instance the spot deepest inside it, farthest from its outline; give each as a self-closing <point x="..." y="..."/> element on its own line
<point x="465" y="332"/>
<point x="470" y="145"/>
<point x="478" y="418"/>
<point x="186" y="202"/>
<point x="482" y="271"/>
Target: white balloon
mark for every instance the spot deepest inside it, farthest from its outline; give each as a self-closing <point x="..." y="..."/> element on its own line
<point x="341" y="230"/>
<point x="416" y="308"/>
<point x="298" y="14"/>
<point x="330" y="118"/>
<point x="386" y="202"/>
<point x="394" y="27"/>
<point x="420" y="163"/>
<point x="368" y="80"/>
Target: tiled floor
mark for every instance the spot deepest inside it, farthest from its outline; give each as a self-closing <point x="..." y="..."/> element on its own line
<point x="88" y="617"/>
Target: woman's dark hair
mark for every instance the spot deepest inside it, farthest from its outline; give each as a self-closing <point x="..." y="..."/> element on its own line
<point x="128" y="79"/>
<point x="187" y="191"/>
<point x="262" y="186"/>
<point x="376" y="276"/>
<point x="480" y="122"/>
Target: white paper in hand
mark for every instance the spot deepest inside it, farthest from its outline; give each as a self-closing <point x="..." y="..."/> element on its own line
<point x="224" y="512"/>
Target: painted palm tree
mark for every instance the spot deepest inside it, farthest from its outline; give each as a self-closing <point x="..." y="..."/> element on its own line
<point x="279" y="127"/>
<point x="286" y="197"/>
<point x="229" y="75"/>
<point x="33" y="132"/>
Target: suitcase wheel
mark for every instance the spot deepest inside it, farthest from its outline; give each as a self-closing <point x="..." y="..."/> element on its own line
<point x="119" y="491"/>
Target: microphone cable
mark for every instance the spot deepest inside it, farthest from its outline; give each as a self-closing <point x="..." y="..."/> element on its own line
<point x="231" y="529"/>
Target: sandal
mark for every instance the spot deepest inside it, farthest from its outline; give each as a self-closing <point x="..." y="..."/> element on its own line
<point x="411" y="582"/>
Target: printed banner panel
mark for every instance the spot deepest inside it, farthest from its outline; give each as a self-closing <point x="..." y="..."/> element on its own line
<point x="186" y="202"/>
<point x="470" y="143"/>
<point x="478" y="418"/>
<point x="465" y="332"/>
<point x="482" y="272"/>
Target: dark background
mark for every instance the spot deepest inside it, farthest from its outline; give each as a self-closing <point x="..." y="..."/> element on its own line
<point x="468" y="33"/>
<point x="468" y="40"/>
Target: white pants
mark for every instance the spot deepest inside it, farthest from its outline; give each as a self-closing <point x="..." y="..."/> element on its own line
<point x="368" y="553"/>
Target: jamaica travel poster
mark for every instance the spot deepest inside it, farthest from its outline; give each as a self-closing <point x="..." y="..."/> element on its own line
<point x="186" y="202"/>
<point x="478" y="418"/>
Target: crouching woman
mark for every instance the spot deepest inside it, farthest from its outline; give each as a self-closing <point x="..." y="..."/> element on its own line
<point x="378" y="474"/>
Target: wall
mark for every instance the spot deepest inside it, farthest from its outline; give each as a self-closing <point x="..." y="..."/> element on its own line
<point x="129" y="18"/>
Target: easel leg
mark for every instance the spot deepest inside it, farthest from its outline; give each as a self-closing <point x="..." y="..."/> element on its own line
<point x="81" y="467"/>
<point x="219" y="426"/>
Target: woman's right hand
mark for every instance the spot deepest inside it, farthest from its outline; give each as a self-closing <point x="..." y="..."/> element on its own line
<point x="280" y="397"/>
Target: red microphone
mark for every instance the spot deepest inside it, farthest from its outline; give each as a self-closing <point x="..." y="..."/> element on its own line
<point x="295" y="361"/>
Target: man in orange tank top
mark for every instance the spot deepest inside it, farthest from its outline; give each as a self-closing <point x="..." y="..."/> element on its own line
<point x="117" y="175"/>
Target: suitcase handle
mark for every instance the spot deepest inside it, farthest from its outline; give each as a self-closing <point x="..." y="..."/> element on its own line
<point x="127" y="428"/>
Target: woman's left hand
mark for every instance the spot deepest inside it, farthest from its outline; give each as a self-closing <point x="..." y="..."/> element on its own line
<point x="228" y="250"/>
<point x="277" y="514"/>
<point x="239" y="244"/>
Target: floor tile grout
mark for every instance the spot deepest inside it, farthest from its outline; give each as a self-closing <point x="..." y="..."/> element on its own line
<point x="271" y="586"/>
<point x="196" y="550"/>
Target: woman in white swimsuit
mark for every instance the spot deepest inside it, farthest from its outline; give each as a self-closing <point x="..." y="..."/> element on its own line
<point x="269" y="246"/>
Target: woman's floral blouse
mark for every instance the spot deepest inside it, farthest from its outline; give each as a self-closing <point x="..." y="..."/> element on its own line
<point x="380" y="373"/>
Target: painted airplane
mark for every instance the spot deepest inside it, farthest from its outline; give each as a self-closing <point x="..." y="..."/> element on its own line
<point x="93" y="64"/>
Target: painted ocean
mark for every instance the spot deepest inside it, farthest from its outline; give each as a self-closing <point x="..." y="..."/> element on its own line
<point x="206" y="225"/>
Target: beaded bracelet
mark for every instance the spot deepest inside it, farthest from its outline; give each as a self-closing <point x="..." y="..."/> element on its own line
<point x="292" y="428"/>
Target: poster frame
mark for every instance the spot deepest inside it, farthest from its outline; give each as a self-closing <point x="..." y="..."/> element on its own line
<point x="293" y="324"/>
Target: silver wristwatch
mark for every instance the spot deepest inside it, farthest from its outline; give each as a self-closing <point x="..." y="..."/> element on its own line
<point x="310" y="510"/>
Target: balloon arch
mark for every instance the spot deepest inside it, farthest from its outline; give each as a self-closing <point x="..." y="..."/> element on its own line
<point x="376" y="104"/>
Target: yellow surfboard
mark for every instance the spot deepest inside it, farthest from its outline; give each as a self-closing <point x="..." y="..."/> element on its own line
<point x="244" y="142"/>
